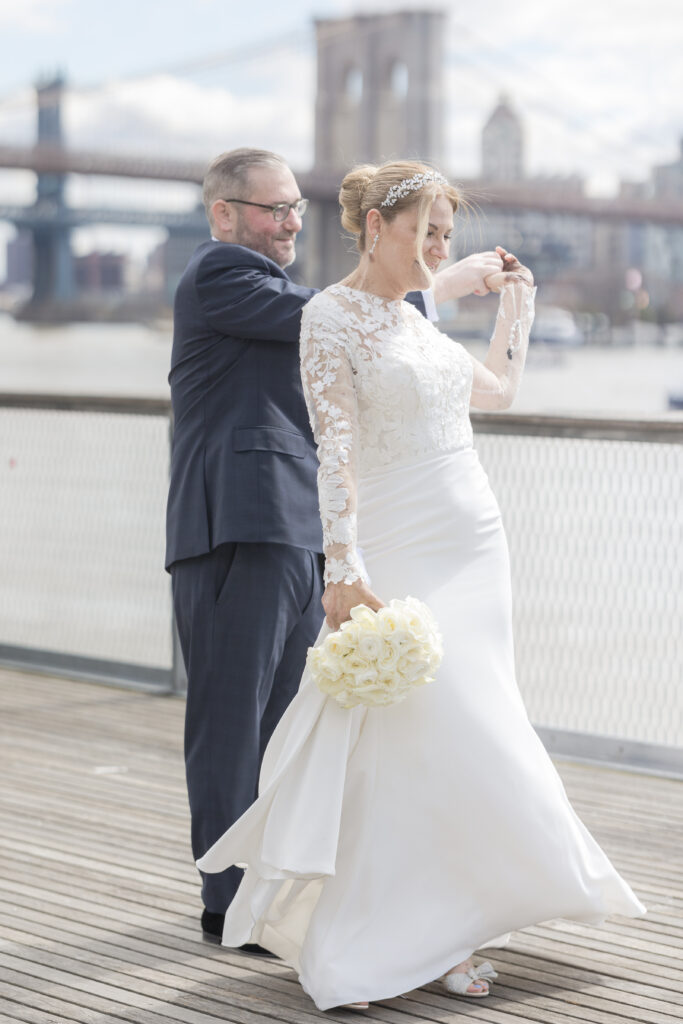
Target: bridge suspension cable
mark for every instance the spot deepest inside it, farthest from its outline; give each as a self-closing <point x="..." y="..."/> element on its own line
<point x="254" y="50"/>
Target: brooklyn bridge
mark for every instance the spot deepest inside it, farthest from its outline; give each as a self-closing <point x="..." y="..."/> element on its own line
<point x="387" y="123"/>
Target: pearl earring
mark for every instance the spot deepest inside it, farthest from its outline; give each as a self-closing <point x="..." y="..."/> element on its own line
<point x="374" y="243"/>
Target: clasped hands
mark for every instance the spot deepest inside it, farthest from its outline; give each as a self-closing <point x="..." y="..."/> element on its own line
<point x="479" y="274"/>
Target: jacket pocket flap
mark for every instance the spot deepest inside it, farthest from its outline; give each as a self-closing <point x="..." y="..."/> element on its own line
<point x="269" y="439"/>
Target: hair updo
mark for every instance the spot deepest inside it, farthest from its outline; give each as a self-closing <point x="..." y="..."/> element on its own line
<point x="366" y="187"/>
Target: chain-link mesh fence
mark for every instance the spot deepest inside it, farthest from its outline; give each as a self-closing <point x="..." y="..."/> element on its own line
<point x="594" y="527"/>
<point x="82" y="543"/>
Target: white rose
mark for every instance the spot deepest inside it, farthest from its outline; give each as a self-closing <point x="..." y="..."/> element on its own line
<point x="330" y="666"/>
<point x="401" y="637"/>
<point x="370" y="645"/>
<point x="364" y="616"/>
<point x="334" y="645"/>
<point x="389" y="682"/>
<point x="413" y="671"/>
<point x="366" y="679"/>
<point x="353" y="664"/>
<point x="387" y="621"/>
<point x="347" y="641"/>
<point x="388" y="658"/>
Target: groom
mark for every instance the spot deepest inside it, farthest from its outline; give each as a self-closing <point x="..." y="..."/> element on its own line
<point x="244" y="540"/>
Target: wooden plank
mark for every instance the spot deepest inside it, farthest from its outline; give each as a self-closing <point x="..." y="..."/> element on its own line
<point x="99" y="926"/>
<point x="515" y="965"/>
<point x="592" y="958"/>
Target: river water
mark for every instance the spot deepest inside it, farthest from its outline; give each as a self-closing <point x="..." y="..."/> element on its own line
<point x="131" y="359"/>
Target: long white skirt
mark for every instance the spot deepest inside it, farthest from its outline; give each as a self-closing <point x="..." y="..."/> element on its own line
<point x="388" y="844"/>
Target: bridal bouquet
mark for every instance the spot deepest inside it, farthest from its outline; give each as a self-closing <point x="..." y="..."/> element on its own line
<point x="376" y="658"/>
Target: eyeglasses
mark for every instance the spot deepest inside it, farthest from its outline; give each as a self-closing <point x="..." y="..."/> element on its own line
<point x="280" y="211"/>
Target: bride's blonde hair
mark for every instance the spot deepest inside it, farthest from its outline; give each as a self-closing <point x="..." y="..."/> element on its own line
<point x="366" y="187"/>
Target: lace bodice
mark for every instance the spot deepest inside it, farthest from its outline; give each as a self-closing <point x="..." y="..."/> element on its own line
<point x="383" y="384"/>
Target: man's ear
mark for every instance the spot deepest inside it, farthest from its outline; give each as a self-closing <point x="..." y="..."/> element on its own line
<point x="223" y="215"/>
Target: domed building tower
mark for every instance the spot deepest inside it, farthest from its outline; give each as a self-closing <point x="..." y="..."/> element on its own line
<point x="502" y="145"/>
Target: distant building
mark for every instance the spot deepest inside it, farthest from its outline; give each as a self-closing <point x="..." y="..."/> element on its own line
<point x="154" y="274"/>
<point x="100" y="272"/>
<point x="668" y="179"/>
<point x="177" y="251"/>
<point x="502" y="145"/>
<point x="635" y="190"/>
<point x="166" y="263"/>
<point x="19" y="256"/>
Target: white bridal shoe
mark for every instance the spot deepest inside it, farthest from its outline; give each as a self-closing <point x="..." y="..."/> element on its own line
<point x="458" y="982"/>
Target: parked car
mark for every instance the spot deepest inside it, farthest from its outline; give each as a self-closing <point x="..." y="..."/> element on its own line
<point x="555" y="326"/>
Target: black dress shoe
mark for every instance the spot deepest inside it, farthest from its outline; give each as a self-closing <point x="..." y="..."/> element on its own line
<point x="212" y="927"/>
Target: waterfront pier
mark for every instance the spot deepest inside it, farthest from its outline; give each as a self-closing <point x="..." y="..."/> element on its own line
<point x="99" y="899"/>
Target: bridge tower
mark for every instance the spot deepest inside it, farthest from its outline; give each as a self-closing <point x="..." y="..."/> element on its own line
<point x="380" y="88"/>
<point x="380" y="96"/>
<point x="53" y="278"/>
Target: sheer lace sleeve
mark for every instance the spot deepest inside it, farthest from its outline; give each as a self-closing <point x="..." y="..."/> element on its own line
<point x="496" y="380"/>
<point x="330" y="394"/>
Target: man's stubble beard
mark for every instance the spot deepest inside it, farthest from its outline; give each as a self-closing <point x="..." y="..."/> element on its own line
<point x="264" y="244"/>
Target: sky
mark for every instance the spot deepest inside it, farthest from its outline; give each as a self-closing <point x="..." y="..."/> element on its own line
<point x="598" y="84"/>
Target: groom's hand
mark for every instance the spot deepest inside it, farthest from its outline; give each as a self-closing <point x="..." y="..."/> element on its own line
<point x="340" y="598"/>
<point x="467" y="276"/>
<point x="513" y="271"/>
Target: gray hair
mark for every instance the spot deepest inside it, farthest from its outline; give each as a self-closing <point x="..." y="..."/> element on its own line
<point x="228" y="174"/>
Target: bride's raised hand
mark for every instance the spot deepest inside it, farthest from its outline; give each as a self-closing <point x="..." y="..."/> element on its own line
<point x="340" y="598"/>
<point x="513" y="270"/>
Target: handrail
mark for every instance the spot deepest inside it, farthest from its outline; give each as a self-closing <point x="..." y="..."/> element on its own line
<point x="138" y="405"/>
<point x="662" y="429"/>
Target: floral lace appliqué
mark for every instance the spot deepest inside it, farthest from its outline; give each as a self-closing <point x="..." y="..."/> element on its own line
<point x="381" y="384"/>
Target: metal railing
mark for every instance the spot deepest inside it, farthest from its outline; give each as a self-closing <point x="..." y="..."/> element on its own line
<point x="592" y="509"/>
<point x="83" y="591"/>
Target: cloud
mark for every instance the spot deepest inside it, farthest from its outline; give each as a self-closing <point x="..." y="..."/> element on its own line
<point x="34" y="15"/>
<point x="18" y="117"/>
<point x="583" y="79"/>
<point x="186" y="119"/>
<point x="17" y="187"/>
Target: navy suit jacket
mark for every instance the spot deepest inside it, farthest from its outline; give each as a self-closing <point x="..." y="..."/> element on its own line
<point x="243" y="461"/>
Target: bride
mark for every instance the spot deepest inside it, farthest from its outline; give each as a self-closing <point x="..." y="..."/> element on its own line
<point x="388" y="844"/>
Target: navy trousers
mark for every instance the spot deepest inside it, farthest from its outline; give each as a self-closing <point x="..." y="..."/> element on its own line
<point x="246" y="615"/>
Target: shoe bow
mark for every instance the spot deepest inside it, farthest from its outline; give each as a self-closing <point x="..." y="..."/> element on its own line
<point x="484" y="972"/>
<point x="459" y="981"/>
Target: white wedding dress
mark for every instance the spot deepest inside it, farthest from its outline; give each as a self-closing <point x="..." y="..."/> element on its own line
<point x="387" y="844"/>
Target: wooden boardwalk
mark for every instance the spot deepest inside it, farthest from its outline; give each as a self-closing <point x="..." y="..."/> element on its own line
<point x="99" y="900"/>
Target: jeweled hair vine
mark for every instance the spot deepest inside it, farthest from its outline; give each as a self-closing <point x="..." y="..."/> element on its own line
<point x="413" y="184"/>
